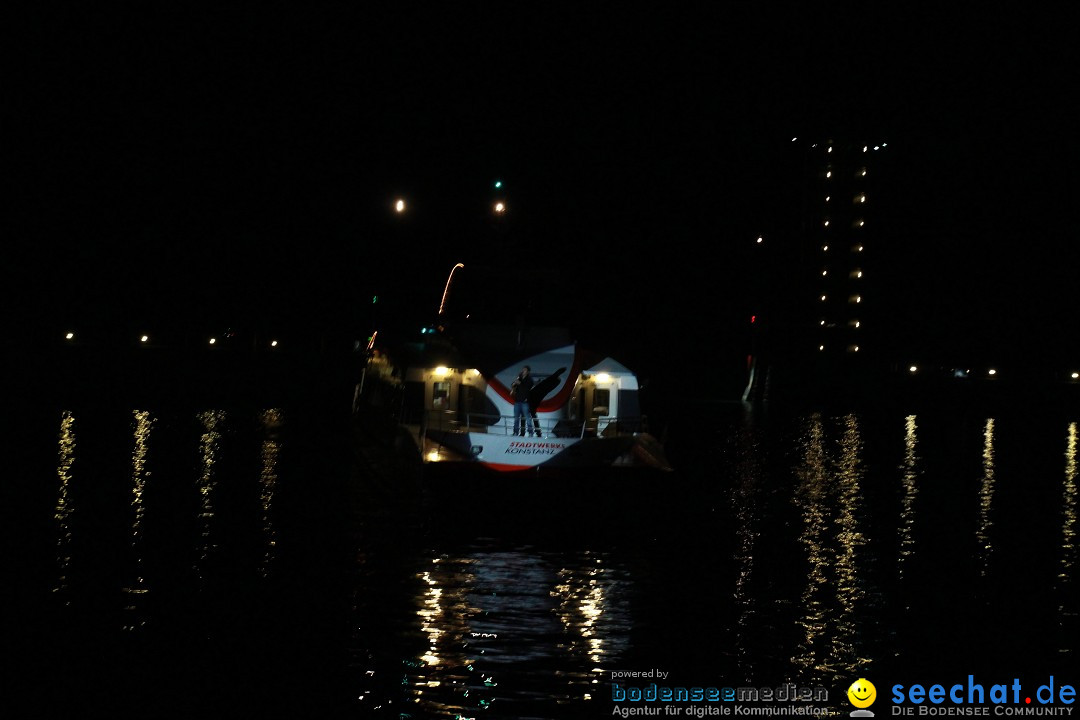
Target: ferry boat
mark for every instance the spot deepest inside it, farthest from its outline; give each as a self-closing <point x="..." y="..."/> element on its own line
<point x="450" y="399"/>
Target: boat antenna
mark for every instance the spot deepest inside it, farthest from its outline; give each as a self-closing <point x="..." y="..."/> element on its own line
<point x="447" y="289"/>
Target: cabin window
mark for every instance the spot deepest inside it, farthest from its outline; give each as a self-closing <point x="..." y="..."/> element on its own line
<point x="471" y="400"/>
<point x="440" y="395"/>
<point x="601" y="399"/>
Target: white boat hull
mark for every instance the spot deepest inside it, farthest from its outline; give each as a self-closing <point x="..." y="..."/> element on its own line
<point x="511" y="452"/>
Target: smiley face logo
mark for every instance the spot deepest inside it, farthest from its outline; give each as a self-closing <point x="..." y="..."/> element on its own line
<point x="862" y="693"/>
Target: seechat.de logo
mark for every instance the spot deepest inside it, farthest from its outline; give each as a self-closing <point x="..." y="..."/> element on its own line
<point x="862" y="694"/>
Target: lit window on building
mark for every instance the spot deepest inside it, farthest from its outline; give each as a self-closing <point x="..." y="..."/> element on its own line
<point x="440" y="395"/>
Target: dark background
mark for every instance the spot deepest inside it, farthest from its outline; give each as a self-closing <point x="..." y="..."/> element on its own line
<point x="185" y="168"/>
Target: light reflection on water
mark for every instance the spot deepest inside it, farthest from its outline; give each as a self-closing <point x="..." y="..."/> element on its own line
<point x="270" y="420"/>
<point x="64" y="509"/>
<point x="910" y="482"/>
<point x="830" y="495"/>
<point x="141" y="516"/>
<point x="850" y="590"/>
<point x="504" y="628"/>
<point x="140" y="477"/>
<point x="592" y="608"/>
<point x="811" y="494"/>
<point x="986" y="499"/>
<point x="1068" y="503"/>
<point x="1067" y="609"/>
<point x="210" y="448"/>
<point x="745" y="508"/>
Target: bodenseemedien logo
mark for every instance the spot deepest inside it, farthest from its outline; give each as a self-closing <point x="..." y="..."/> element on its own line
<point x="862" y="694"/>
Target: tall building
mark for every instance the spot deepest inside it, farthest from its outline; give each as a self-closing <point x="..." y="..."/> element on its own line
<point x="841" y="201"/>
<point x="819" y="313"/>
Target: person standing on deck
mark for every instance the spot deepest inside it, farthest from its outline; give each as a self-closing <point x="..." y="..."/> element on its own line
<point x="520" y="389"/>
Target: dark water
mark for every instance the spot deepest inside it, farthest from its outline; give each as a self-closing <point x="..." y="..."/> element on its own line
<point x="245" y="561"/>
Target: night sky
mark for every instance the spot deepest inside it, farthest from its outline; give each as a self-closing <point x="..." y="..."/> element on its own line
<point x="194" y="166"/>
